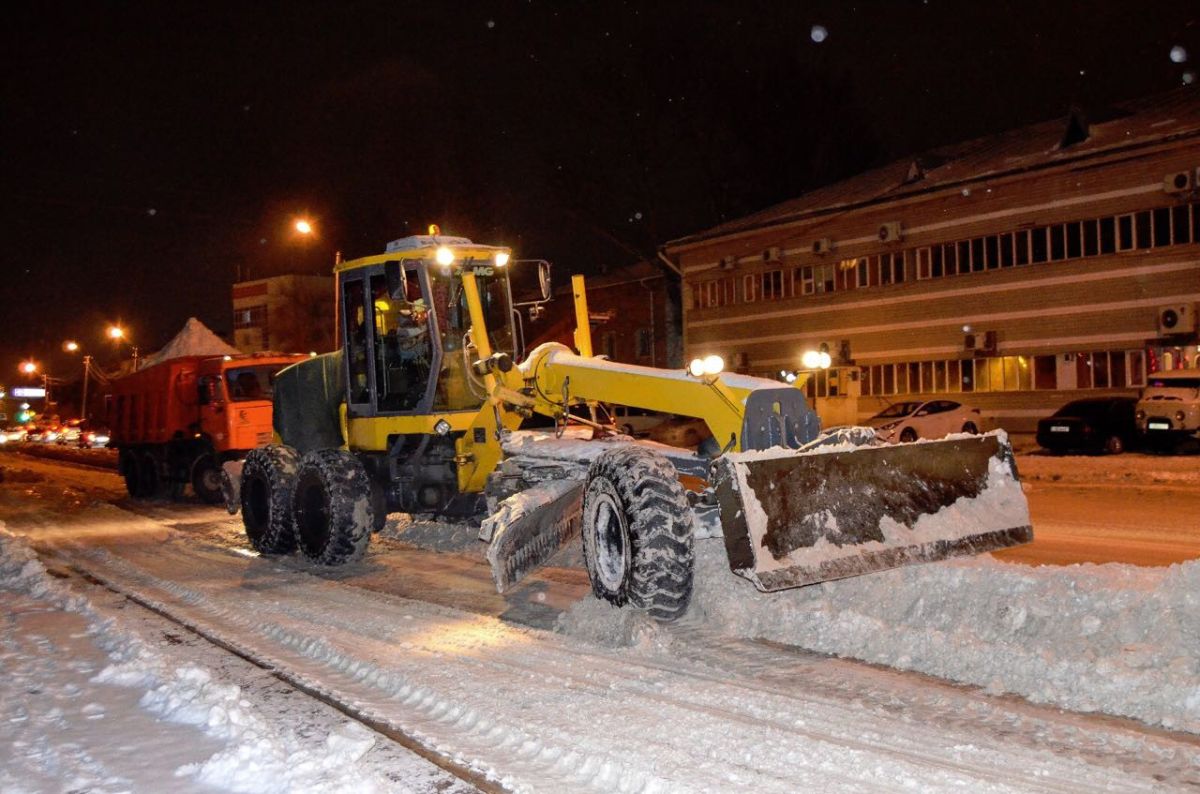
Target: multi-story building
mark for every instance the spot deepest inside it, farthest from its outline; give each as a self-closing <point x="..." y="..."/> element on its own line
<point x="288" y="314"/>
<point x="1018" y="271"/>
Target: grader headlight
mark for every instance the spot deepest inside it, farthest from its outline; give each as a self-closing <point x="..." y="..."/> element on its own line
<point x="445" y="257"/>
<point x="501" y="258"/>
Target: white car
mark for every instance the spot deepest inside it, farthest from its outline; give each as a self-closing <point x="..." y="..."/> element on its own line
<point x="908" y="421"/>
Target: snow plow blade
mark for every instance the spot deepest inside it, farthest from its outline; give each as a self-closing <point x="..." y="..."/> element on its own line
<point x="795" y="518"/>
<point x="528" y="528"/>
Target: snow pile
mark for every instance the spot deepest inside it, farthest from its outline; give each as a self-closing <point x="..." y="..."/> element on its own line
<point x="1174" y="470"/>
<point x="195" y="339"/>
<point x="259" y="755"/>
<point x="1117" y="639"/>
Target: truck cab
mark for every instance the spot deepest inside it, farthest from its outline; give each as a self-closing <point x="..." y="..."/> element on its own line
<point x="234" y="395"/>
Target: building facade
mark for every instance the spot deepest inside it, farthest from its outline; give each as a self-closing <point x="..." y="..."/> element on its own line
<point x="634" y="315"/>
<point x="1017" y="272"/>
<point x="287" y="314"/>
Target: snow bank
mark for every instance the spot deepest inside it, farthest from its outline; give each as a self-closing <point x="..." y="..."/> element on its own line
<point x="1117" y="639"/>
<point x="259" y="755"/>
<point x="1131" y="469"/>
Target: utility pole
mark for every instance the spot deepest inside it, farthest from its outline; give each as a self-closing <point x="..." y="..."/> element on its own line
<point x="87" y="369"/>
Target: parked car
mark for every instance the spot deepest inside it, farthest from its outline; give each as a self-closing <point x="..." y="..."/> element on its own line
<point x="1168" y="411"/>
<point x="908" y="421"/>
<point x="1097" y="424"/>
<point x="635" y="421"/>
<point x="14" y="435"/>
<point x="42" y="434"/>
<point x="680" y="431"/>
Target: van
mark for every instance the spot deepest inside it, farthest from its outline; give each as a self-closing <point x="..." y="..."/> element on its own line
<point x="1168" y="410"/>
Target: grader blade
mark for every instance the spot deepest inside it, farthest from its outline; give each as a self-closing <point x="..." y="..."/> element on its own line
<point x="797" y="518"/>
<point x="529" y="527"/>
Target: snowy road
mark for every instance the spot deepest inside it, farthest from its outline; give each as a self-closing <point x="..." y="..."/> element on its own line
<point x="682" y="709"/>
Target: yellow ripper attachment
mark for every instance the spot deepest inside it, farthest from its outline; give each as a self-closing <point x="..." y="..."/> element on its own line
<point x="793" y="518"/>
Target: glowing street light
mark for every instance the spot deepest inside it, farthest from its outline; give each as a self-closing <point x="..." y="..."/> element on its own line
<point x="71" y="346"/>
<point x="303" y="226"/>
<point x="115" y="332"/>
<point x="28" y="367"/>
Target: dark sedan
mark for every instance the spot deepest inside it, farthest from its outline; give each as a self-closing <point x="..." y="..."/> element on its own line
<point x="1097" y="424"/>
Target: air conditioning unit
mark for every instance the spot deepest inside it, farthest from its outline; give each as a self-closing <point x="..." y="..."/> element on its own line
<point x="823" y="245"/>
<point x="729" y="263"/>
<point x="1179" y="182"/>
<point x="980" y="342"/>
<point x="891" y="232"/>
<point x="1179" y="319"/>
<point x="772" y="254"/>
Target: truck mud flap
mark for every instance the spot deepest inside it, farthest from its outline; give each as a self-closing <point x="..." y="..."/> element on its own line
<point x="796" y="518"/>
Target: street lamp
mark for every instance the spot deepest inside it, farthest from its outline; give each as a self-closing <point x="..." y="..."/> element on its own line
<point x="28" y="367"/>
<point x="303" y="226"/>
<point x="71" y="346"/>
<point x="118" y="335"/>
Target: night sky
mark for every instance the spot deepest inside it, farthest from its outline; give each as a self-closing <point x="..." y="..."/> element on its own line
<point x="152" y="152"/>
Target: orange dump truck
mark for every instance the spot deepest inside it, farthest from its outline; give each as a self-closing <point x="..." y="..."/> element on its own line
<point x="177" y="421"/>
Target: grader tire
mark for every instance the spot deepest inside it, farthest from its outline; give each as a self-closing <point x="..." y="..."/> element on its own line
<point x="268" y="482"/>
<point x="637" y="533"/>
<point x="333" y="507"/>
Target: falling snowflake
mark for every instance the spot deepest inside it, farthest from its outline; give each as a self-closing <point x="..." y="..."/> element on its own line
<point x="819" y="33"/>
<point x="491" y="23"/>
<point x="152" y="212"/>
<point x="1178" y="54"/>
<point x="1189" y="78"/>
<point x="637" y="215"/>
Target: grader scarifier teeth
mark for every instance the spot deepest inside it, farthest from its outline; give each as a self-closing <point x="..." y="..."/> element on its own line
<point x="793" y="519"/>
<point x="529" y="528"/>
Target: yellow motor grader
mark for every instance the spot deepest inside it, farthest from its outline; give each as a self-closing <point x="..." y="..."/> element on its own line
<point x="418" y="412"/>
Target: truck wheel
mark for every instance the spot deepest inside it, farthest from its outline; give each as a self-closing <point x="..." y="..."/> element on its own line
<point x="637" y="533"/>
<point x="333" y="507"/>
<point x="149" y="482"/>
<point x="909" y="435"/>
<point x="268" y="482"/>
<point x="127" y="464"/>
<point x="206" y="479"/>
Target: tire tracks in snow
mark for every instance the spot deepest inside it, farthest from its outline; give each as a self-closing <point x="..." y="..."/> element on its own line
<point x="770" y="740"/>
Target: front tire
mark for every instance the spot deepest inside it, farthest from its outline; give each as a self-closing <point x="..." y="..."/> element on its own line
<point x="909" y="435"/>
<point x="334" y="511"/>
<point x="970" y="427"/>
<point x="206" y="479"/>
<point x="1114" y="446"/>
<point x="637" y="533"/>
<point x="127" y="464"/>
<point x="268" y="482"/>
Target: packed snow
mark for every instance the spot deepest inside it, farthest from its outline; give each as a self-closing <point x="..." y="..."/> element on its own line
<point x="727" y="699"/>
<point x="194" y="339"/>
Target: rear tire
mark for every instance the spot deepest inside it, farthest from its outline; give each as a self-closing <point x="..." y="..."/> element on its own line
<point x="206" y="479"/>
<point x="268" y="482"/>
<point x="149" y="481"/>
<point x="334" y="511"/>
<point x="637" y="533"/>
<point x="127" y="464"/>
<point x="909" y="435"/>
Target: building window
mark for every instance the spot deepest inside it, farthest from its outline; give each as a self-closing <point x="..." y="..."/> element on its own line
<point x="1125" y="232"/>
<point x="642" y="343"/>
<point x="250" y="317"/>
